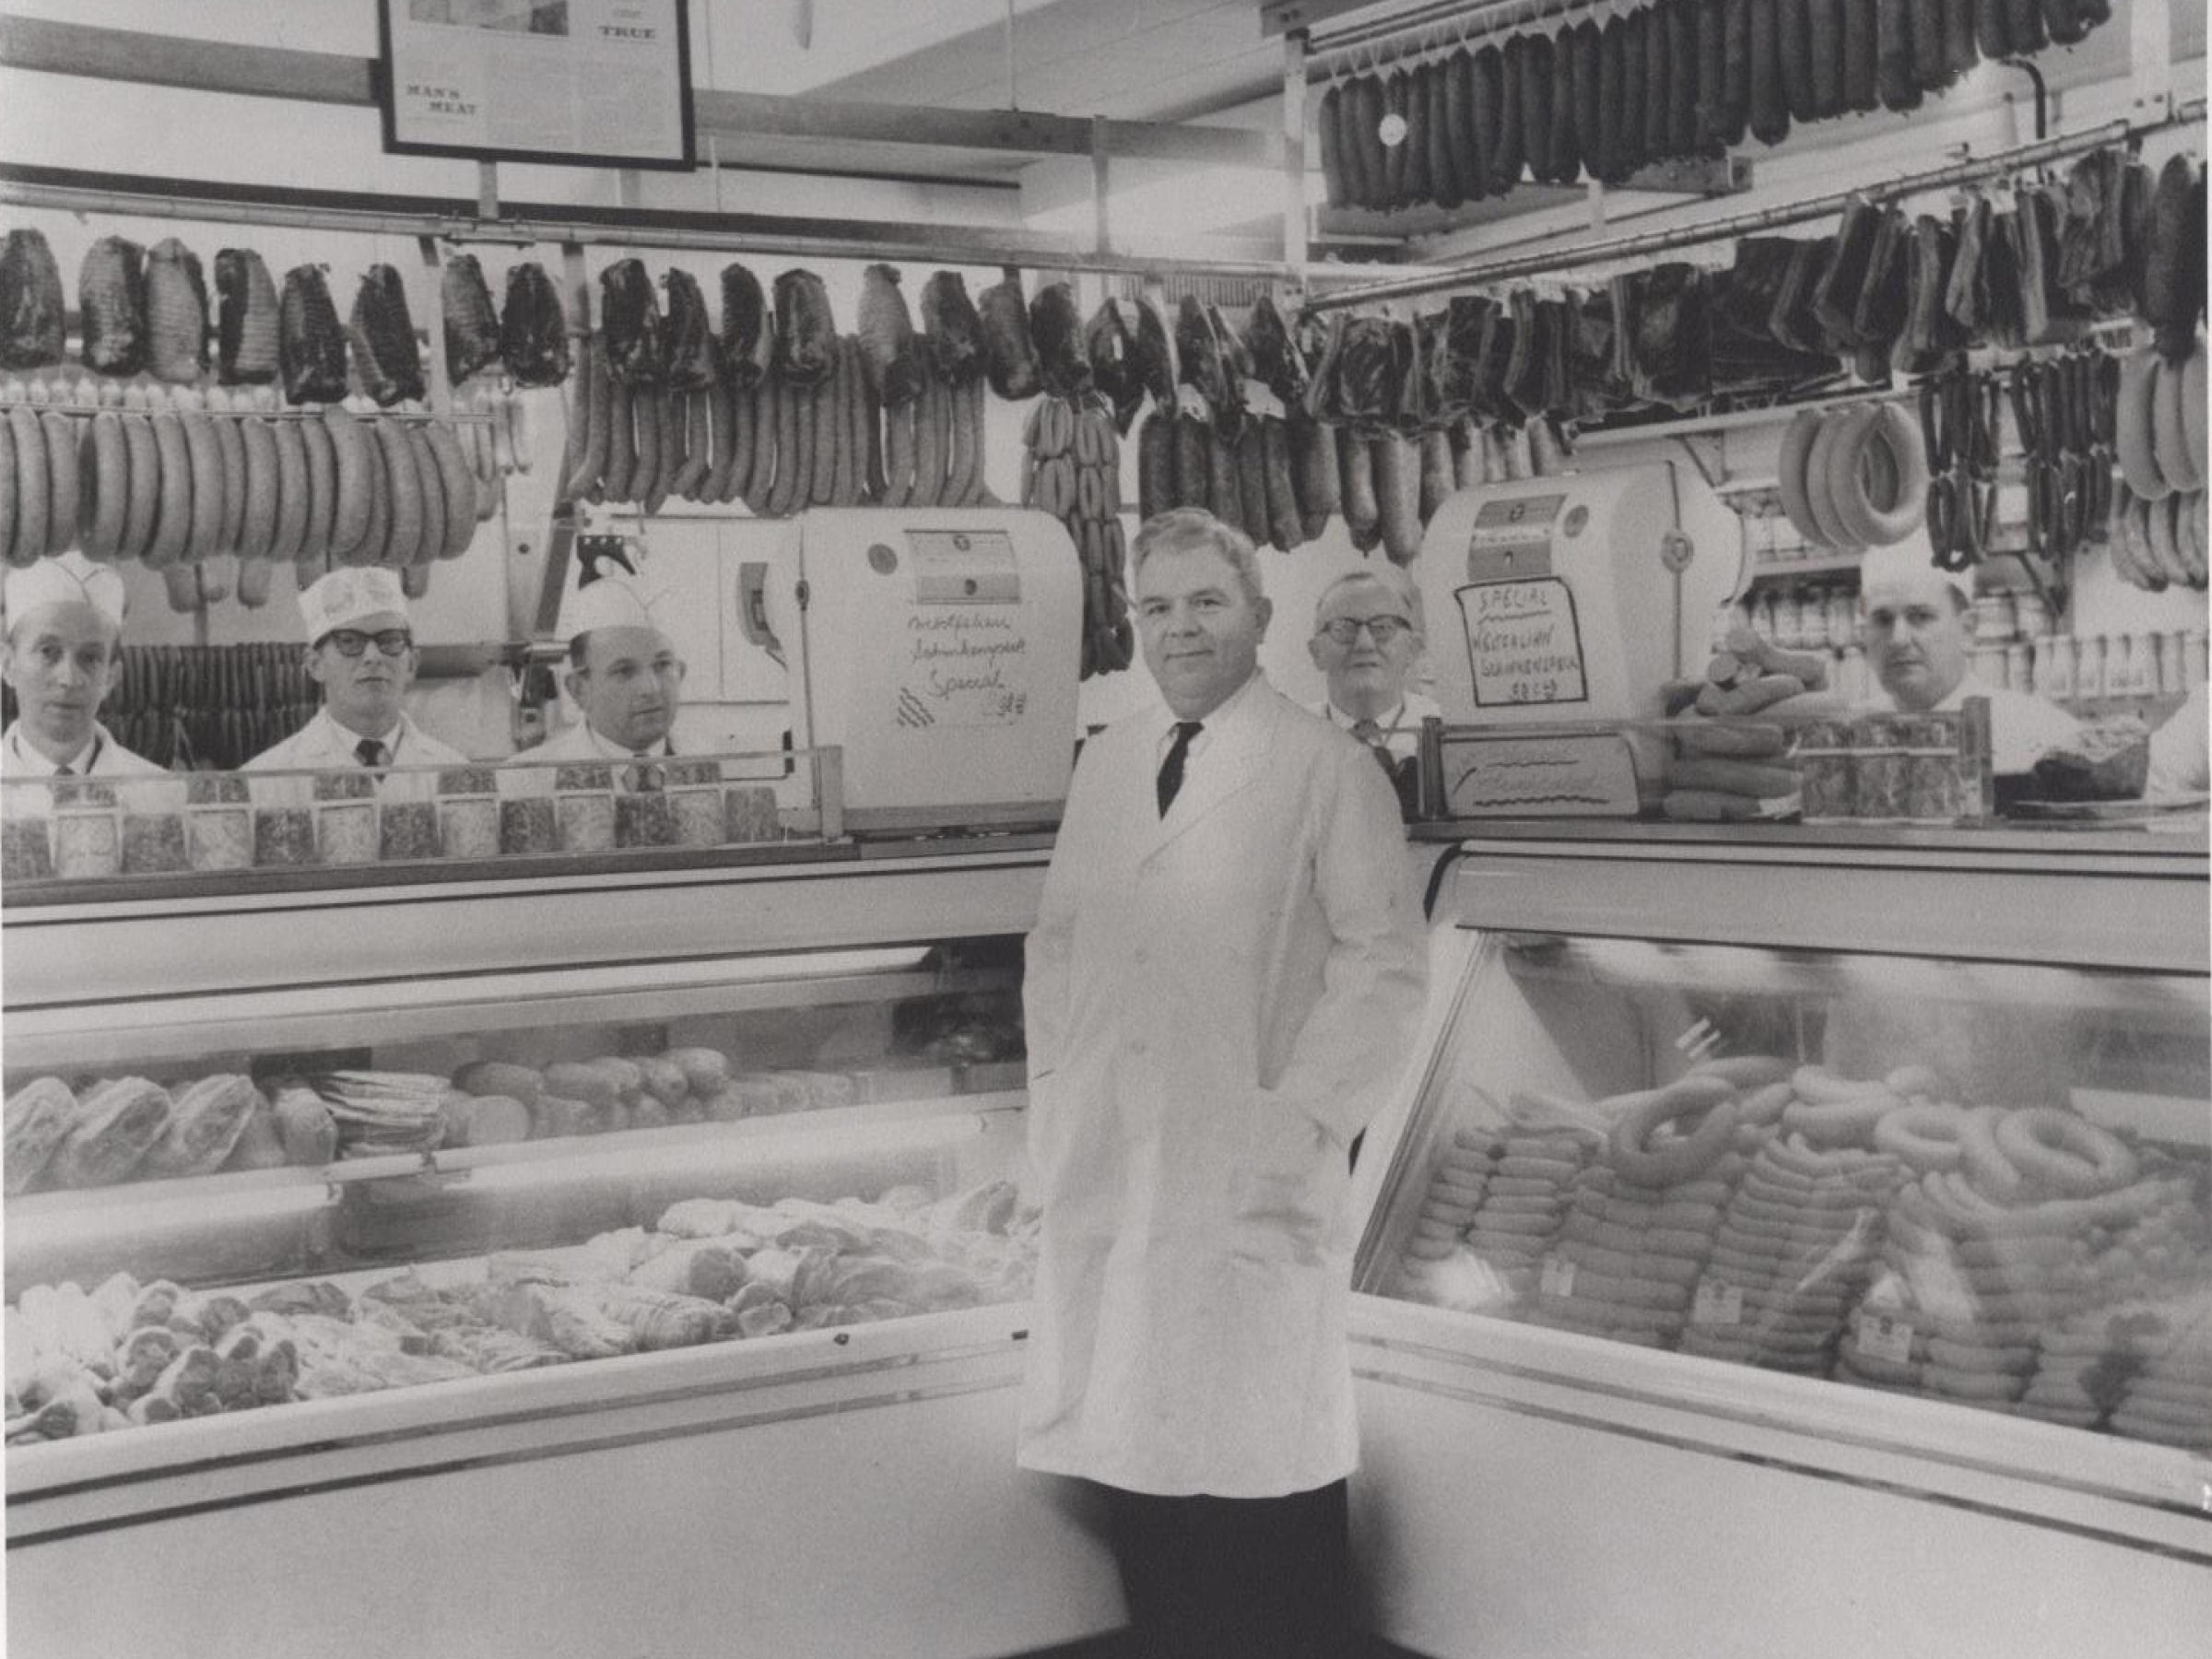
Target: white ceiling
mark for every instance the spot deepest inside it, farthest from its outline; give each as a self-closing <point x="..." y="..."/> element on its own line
<point x="1166" y="60"/>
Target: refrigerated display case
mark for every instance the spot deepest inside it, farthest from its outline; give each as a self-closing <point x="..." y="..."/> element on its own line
<point x="1799" y="1245"/>
<point x="530" y="1264"/>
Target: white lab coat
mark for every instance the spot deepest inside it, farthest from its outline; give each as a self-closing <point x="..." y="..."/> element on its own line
<point x="1216" y="1005"/>
<point x="323" y="745"/>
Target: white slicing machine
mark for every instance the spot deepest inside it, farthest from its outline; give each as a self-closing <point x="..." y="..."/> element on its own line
<point x="938" y="647"/>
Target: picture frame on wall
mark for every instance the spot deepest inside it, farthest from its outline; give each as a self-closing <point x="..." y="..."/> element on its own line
<point x="581" y="83"/>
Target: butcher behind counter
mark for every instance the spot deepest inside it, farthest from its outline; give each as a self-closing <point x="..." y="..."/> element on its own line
<point x="361" y="651"/>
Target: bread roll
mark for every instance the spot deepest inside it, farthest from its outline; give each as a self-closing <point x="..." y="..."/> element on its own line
<point x="705" y="1069"/>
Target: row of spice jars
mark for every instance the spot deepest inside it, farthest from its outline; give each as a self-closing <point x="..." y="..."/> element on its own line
<point x="76" y="829"/>
<point x="2076" y="667"/>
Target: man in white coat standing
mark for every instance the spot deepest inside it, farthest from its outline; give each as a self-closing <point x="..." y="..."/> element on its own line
<point x="1223" y="984"/>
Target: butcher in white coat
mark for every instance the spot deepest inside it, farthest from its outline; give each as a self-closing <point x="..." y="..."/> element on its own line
<point x="1222" y="986"/>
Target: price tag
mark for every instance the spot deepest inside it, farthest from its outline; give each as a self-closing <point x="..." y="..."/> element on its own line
<point x="1557" y="1277"/>
<point x="1882" y="1338"/>
<point x="1717" y="1303"/>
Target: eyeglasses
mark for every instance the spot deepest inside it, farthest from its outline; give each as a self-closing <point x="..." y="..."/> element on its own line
<point x="1381" y="630"/>
<point x="352" y="643"/>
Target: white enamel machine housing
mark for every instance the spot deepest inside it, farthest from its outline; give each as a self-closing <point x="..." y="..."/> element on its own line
<point x="938" y="647"/>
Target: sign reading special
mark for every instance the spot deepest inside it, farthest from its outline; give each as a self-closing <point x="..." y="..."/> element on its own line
<point x="1524" y="646"/>
<point x="593" y="83"/>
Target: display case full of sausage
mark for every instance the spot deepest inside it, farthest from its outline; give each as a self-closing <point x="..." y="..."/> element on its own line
<point x="1866" y="1184"/>
<point x="696" y="1191"/>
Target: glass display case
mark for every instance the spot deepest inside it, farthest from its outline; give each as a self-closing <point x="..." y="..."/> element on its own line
<point x="316" y="1199"/>
<point x="1815" y="1226"/>
<point x="1983" y="1183"/>
<point x="686" y="1188"/>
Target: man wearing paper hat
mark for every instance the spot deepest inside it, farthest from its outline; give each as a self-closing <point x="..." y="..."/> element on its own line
<point x="64" y="642"/>
<point x="1918" y="635"/>
<point x="360" y="650"/>
<point x="623" y="673"/>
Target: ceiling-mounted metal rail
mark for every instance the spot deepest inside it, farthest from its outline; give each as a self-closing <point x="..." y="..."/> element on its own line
<point x="1544" y="262"/>
<point x="455" y="219"/>
<point x="129" y="56"/>
<point x="1382" y="41"/>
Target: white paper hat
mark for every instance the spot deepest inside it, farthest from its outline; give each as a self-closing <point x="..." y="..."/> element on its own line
<point x="68" y="579"/>
<point x="1907" y="564"/>
<point x="611" y="602"/>
<point x="345" y="597"/>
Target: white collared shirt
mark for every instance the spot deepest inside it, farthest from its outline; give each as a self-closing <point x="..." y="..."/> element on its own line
<point x="323" y="745"/>
<point x="1227" y="711"/>
<point x="101" y="757"/>
<point x="1401" y="734"/>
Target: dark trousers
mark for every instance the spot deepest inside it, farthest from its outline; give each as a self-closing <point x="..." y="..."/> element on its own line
<point x="1235" y="1578"/>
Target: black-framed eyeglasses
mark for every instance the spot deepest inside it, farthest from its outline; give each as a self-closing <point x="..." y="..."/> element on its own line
<point x="352" y="643"/>
<point x="1381" y="630"/>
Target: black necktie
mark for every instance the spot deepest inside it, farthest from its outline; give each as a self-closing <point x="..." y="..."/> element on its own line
<point x="1171" y="769"/>
<point x="1368" y="732"/>
<point x="65" y="771"/>
<point x="371" y="752"/>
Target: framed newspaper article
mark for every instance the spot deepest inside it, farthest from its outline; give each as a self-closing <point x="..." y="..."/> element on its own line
<point x="588" y="83"/>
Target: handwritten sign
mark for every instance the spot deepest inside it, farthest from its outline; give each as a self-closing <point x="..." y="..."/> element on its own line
<point x="1524" y="645"/>
<point x="1568" y="774"/>
<point x="581" y="82"/>
<point x="965" y="665"/>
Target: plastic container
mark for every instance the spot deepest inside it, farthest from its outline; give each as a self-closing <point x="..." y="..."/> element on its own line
<point x="584" y="799"/>
<point x="695" y="799"/>
<point x="345" y="818"/>
<point x="469" y="813"/>
<point x="529" y="824"/>
<point x="409" y="831"/>
<point x="219" y="822"/>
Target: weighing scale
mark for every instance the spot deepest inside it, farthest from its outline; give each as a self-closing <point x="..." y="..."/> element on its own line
<point x="1568" y="601"/>
<point x="937" y="648"/>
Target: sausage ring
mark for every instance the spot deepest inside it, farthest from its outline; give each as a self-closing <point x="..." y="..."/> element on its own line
<point x="2064" y="1153"/>
<point x="1630" y="1150"/>
<point x="1988" y="1172"/>
<point x="1923" y="1137"/>
<point x="1845" y="1122"/>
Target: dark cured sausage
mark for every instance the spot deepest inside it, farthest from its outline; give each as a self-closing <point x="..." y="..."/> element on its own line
<point x="1658" y="85"/>
<point x="1958" y="53"/>
<point x="1566" y="142"/>
<point x="1444" y="160"/>
<point x="1394" y="155"/>
<point x="1736" y="55"/>
<point x="1604" y="160"/>
<point x="1535" y="105"/>
<point x="1332" y="159"/>
<point x="1489" y="70"/>
<point x="1712" y="26"/>
<point x="1770" y="109"/>
<point x="1794" y="21"/>
<point x="1506" y="160"/>
<point x="1929" y="67"/>
<point x="1350" y="156"/>
<point x="1363" y="101"/>
<point x="1991" y="34"/>
<point x="1862" y="92"/>
<point x="1893" y="54"/>
<point x="2024" y="25"/>
<point x="1824" y="25"/>
<point x="1635" y="68"/>
<point x="1685" y="87"/>
<point x="1418" y="187"/>
<point x="1459" y="111"/>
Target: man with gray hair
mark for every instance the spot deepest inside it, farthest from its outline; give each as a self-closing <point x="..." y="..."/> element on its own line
<point x="1367" y="637"/>
<point x="1222" y="986"/>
